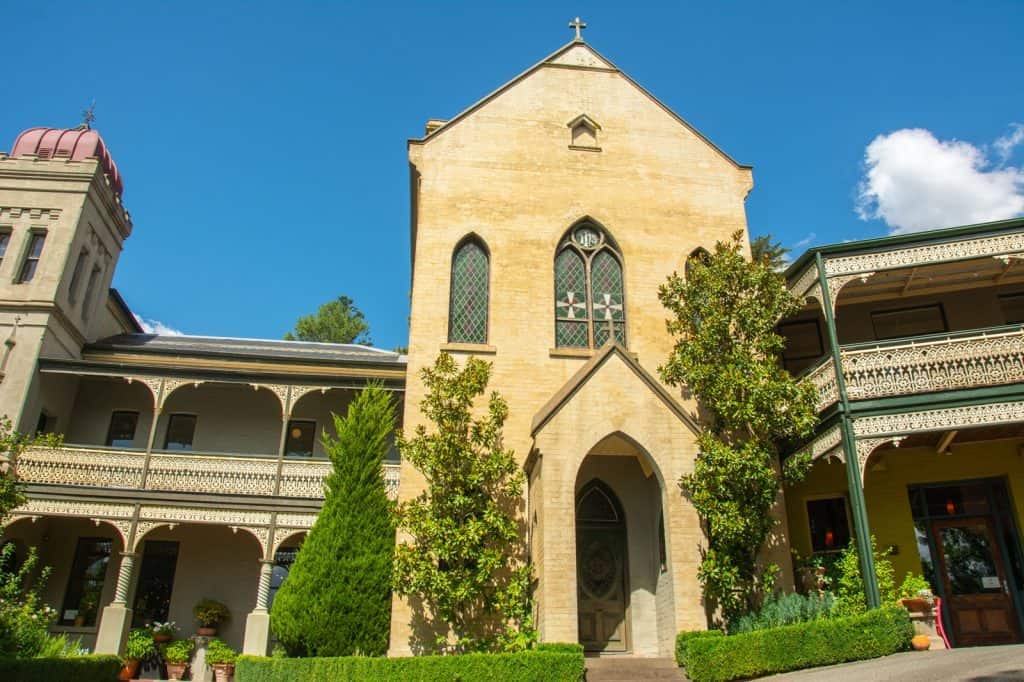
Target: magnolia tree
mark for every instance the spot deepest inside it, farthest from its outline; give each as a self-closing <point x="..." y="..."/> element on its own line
<point x="462" y="563"/>
<point x="724" y="315"/>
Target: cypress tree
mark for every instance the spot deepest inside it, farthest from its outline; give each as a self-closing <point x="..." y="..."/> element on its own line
<point x="336" y="600"/>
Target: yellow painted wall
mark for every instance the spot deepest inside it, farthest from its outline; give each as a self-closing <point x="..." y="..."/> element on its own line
<point x="890" y="472"/>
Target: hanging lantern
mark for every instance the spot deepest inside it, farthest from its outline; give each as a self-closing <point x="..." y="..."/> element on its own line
<point x="830" y="538"/>
<point x="950" y="507"/>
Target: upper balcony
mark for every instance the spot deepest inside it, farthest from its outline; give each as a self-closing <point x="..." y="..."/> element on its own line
<point x="914" y="314"/>
<point x="198" y="423"/>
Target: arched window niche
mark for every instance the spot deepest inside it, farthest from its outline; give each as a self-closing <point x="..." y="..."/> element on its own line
<point x="589" y="288"/>
<point x="698" y="255"/>
<point x="469" y="299"/>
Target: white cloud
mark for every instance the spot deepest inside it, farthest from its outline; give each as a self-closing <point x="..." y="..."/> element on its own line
<point x="806" y="241"/>
<point x="914" y="181"/>
<point x="1005" y="144"/>
<point x="150" y="326"/>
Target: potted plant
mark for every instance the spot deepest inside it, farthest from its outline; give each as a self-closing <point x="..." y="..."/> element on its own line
<point x="209" y="614"/>
<point x="178" y="655"/>
<point x="222" y="658"/>
<point x="140" y="645"/>
<point x="163" y="632"/>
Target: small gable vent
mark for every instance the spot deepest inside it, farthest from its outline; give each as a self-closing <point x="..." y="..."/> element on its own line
<point x="44" y="152"/>
<point x="583" y="134"/>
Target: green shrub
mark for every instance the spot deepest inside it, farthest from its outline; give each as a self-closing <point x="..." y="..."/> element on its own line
<point x="24" y="618"/>
<point x="337" y="598"/>
<point x="210" y="613"/>
<point x="786" y="609"/>
<point x="62" y="646"/>
<point x="822" y="642"/>
<point x="219" y="653"/>
<point x="140" y="645"/>
<point x="850" y="598"/>
<point x="179" y="651"/>
<point x="559" y="647"/>
<point x="912" y="586"/>
<point x="684" y="638"/>
<point x="77" y="669"/>
<point x="523" y="666"/>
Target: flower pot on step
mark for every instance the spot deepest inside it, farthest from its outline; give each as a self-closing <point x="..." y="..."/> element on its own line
<point x="131" y="667"/>
<point x="224" y="672"/>
<point x="206" y="632"/>
<point x="176" y="671"/>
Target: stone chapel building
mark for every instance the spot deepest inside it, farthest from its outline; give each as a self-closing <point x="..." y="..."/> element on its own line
<point x="543" y="219"/>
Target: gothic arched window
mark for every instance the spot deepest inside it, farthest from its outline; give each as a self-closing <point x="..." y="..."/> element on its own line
<point x="467" y="306"/>
<point x="589" y="298"/>
<point x="698" y="255"/>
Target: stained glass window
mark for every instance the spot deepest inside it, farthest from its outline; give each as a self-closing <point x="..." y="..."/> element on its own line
<point x="467" y="313"/>
<point x="589" y="300"/>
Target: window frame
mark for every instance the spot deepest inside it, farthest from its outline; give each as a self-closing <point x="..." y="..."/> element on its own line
<point x="77" y="575"/>
<point x="788" y="360"/>
<point x="167" y="431"/>
<point x="846" y="509"/>
<point x="1019" y="295"/>
<point x="606" y="244"/>
<point x="896" y="311"/>
<point x="287" y="438"/>
<point x="6" y="235"/>
<point x="475" y="240"/>
<point x="110" y="428"/>
<point x="24" y="277"/>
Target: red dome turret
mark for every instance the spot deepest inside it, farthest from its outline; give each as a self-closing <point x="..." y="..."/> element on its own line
<point x="74" y="144"/>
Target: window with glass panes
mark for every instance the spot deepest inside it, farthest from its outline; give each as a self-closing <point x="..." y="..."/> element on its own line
<point x="300" y="438"/>
<point x="5" y="240"/>
<point x="181" y="429"/>
<point x="470" y="296"/>
<point x="121" y="433"/>
<point x="589" y="290"/>
<point x="32" y="256"/>
<point x="85" y="583"/>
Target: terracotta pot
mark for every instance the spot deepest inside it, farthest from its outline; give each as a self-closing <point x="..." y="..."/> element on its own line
<point x="161" y="637"/>
<point x="916" y="604"/>
<point x="131" y="667"/>
<point x="224" y="672"/>
<point x="176" y="671"/>
<point x="206" y="632"/>
<point x="921" y="642"/>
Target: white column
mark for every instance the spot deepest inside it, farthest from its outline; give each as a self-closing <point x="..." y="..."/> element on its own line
<point x="257" y="623"/>
<point x="116" y="619"/>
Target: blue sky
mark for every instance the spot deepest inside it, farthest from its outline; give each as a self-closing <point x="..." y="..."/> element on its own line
<point x="263" y="144"/>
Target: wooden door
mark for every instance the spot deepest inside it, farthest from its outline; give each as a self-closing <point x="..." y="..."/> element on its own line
<point x="978" y="597"/>
<point x="601" y="592"/>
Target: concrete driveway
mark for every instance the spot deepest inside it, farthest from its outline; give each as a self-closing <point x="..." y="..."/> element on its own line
<point x="977" y="664"/>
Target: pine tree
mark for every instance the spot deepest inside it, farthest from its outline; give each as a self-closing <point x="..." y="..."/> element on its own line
<point x="336" y="600"/>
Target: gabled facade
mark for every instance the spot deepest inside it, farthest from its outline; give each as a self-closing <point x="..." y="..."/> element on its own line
<point x="544" y="218"/>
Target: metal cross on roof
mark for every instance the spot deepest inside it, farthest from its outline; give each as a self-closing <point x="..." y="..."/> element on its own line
<point x="579" y="26"/>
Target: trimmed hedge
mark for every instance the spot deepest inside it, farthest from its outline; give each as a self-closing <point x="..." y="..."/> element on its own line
<point x="684" y="638"/>
<point x="72" y="669"/>
<point x="525" y="666"/>
<point x="806" y="645"/>
<point x="559" y="647"/>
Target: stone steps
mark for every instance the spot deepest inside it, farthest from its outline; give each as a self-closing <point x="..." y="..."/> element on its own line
<point x="630" y="668"/>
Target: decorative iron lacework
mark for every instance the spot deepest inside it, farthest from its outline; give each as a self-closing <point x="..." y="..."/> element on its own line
<point x="589" y="301"/>
<point x="469" y="295"/>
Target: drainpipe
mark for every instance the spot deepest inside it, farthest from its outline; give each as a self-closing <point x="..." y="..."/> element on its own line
<point x="853" y="477"/>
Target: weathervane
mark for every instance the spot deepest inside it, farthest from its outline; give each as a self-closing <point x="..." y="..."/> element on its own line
<point x="579" y="26"/>
<point x="89" y="116"/>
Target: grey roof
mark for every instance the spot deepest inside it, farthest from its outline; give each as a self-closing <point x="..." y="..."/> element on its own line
<point x="250" y="348"/>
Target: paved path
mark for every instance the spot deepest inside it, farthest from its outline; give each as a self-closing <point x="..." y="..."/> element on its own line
<point x="976" y="664"/>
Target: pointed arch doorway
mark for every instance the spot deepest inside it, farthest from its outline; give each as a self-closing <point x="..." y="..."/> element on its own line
<point x="601" y="570"/>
